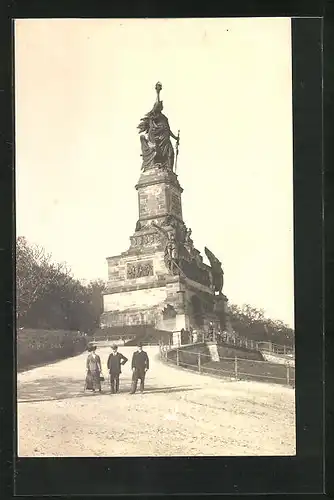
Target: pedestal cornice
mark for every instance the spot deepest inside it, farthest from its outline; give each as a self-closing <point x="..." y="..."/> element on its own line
<point x="158" y="176"/>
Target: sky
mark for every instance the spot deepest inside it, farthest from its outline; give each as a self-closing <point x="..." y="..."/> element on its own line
<point x="81" y="87"/>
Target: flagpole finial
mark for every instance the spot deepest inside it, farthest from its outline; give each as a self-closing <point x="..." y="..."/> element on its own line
<point x="158" y="88"/>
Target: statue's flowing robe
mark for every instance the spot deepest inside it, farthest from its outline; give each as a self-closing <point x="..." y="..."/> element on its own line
<point x="157" y="147"/>
<point x="148" y="152"/>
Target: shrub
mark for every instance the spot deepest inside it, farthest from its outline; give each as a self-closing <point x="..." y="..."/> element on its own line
<point x="42" y="346"/>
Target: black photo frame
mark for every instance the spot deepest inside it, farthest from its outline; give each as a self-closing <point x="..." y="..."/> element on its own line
<point x="304" y="473"/>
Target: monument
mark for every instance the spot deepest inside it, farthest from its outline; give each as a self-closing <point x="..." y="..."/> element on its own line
<point x="161" y="280"/>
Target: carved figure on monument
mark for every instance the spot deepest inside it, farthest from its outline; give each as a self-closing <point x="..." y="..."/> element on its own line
<point x="217" y="271"/>
<point x="138" y="226"/>
<point x="169" y="312"/>
<point x="155" y="137"/>
<point x="172" y="254"/>
<point x="197" y="257"/>
<point x="188" y="241"/>
<point x="163" y="234"/>
<point x="140" y="270"/>
<point x="173" y="247"/>
<point x="169" y="221"/>
<point x="148" y="239"/>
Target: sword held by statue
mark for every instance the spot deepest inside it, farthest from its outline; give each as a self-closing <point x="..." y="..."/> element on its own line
<point x="177" y="148"/>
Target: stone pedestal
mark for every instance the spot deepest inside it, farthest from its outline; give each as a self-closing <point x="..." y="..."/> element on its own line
<point x="159" y="196"/>
<point x="213" y="350"/>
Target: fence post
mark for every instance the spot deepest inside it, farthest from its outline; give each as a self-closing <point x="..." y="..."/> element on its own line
<point x="177" y="357"/>
<point x="199" y="362"/>
<point x="287" y="374"/>
<point x="236" y="367"/>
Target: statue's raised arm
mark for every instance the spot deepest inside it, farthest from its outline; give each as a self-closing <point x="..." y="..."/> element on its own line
<point x="157" y="149"/>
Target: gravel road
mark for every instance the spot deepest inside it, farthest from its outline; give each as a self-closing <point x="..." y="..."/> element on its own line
<point x="179" y="414"/>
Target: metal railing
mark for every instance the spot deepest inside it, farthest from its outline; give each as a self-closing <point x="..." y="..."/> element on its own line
<point x="111" y="338"/>
<point x="236" y="368"/>
<point x="275" y="348"/>
<point x="243" y="342"/>
<point x="225" y="338"/>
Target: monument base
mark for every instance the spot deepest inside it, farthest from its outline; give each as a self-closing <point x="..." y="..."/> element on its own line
<point x="141" y="291"/>
<point x="161" y="280"/>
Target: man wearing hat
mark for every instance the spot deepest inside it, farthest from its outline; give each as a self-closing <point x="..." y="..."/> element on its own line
<point x="115" y="361"/>
<point x="140" y="365"/>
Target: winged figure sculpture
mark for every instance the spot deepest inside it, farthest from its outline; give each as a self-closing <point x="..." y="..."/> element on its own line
<point x="217" y="271"/>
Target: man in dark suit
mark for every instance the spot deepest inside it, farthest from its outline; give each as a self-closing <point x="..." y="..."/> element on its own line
<point x="115" y="361"/>
<point x="140" y="365"/>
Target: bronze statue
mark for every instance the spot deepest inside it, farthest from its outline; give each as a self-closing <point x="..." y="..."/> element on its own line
<point x="155" y="137"/>
<point x="217" y="271"/>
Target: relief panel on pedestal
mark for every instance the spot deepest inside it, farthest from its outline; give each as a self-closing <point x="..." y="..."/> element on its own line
<point x="145" y="239"/>
<point x="116" y="273"/>
<point x="139" y="269"/>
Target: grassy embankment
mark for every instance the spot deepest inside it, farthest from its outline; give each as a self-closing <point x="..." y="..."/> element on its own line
<point x="40" y="347"/>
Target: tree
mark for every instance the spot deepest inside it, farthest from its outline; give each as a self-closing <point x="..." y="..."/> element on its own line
<point x="49" y="297"/>
<point x="36" y="275"/>
<point x="251" y="323"/>
<point x="95" y="291"/>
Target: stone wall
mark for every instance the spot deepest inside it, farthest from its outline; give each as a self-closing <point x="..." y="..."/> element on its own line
<point x="159" y="193"/>
<point x="152" y="316"/>
<point x="130" y="317"/>
<point x="135" y="299"/>
<point x="173" y="197"/>
<point x="133" y="269"/>
<point x="152" y="201"/>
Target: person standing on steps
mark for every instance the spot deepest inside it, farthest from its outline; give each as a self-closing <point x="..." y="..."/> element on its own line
<point x="140" y="364"/>
<point x="115" y="361"/>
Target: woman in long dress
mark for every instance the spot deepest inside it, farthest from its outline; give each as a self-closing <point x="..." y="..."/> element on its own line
<point x="94" y="369"/>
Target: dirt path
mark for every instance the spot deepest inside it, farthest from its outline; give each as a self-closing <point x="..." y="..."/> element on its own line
<point x="180" y="413"/>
